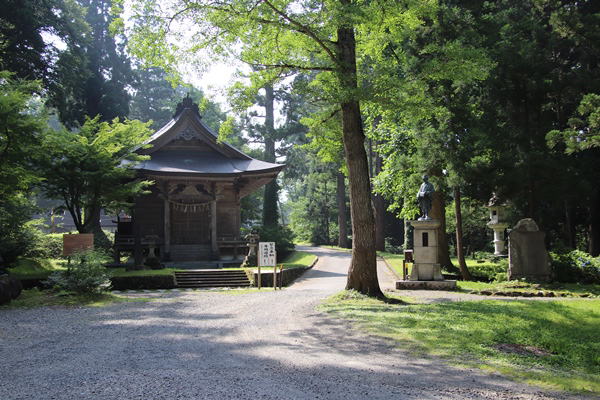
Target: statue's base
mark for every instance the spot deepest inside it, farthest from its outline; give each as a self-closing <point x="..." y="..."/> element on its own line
<point x="426" y="285"/>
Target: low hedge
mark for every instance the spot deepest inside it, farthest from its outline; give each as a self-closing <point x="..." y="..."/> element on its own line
<point x="148" y="282"/>
<point x="487" y="271"/>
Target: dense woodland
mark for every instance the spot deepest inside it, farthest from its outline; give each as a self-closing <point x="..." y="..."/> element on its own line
<point x="359" y="99"/>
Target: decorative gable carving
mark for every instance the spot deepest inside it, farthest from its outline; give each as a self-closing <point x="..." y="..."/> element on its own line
<point x="188" y="134"/>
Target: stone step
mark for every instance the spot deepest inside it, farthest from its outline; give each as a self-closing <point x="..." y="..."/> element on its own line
<point x="208" y="275"/>
<point x="213" y="284"/>
<point x="211" y="278"/>
<point x="208" y="286"/>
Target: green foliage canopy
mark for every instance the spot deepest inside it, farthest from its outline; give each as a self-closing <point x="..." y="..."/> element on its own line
<point x="92" y="168"/>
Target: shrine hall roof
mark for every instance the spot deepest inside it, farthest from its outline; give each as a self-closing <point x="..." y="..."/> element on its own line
<point x="186" y="145"/>
<point x="191" y="162"/>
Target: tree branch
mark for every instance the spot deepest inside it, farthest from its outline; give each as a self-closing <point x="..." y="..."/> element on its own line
<point x="289" y="66"/>
<point x="304" y="30"/>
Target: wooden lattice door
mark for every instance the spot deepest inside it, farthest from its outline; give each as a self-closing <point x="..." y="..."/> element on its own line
<point x="190" y="226"/>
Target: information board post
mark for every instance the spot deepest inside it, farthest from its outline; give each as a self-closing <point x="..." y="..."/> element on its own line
<point x="267" y="257"/>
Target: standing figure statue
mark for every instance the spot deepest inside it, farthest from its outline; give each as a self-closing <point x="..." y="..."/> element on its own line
<point x="424" y="197"/>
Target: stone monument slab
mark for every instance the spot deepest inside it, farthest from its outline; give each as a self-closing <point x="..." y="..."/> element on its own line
<point x="527" y="255"/>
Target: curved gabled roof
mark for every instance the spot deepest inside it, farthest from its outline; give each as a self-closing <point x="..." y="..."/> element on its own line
<point x="198" y="151"/>
<point x="191" y="162"/>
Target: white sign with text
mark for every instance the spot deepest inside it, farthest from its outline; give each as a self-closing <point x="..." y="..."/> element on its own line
<point x="267" y="256"/>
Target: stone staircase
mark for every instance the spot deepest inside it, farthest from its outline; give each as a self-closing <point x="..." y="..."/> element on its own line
<point x="211" y="278"/>
<point x="190" y="252"/>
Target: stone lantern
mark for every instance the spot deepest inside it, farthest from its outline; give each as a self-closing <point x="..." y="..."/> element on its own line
<point x="497" y="223"/>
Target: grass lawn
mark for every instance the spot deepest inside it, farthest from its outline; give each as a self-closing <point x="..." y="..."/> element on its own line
<point x="33" y="268"/>
<point x="561" y="289"/>
<point x="477" y="268"/>
<point x="118" y="272"/>
<point x="394" y="261"/>
<point x="553" y="344"/>
<point x="30" y="298"/>
<point x="299" y="259"/>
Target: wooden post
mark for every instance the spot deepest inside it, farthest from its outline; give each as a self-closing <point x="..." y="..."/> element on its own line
<point x="138" y="256"/>
<point x="280" y="276"/>
<point x="167" y="229"/>
<point x="275" y="277"/>
<point x="259" y="278"/>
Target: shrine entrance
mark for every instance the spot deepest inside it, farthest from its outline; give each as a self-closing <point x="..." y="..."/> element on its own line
<point x="191" y="226"/>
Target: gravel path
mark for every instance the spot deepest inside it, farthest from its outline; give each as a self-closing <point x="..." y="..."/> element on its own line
<point x="196" y="345"/>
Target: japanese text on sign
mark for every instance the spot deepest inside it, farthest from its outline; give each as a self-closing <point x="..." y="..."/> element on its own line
<point x="267" y="256"/>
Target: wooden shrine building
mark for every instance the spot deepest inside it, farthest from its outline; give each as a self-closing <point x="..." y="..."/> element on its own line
<point x="193" y="210"/>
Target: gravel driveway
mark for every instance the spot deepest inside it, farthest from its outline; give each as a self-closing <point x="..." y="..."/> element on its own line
<point x="196" y="345"/>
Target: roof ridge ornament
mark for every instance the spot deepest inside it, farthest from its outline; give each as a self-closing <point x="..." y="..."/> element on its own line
<point x="187" y="103"/>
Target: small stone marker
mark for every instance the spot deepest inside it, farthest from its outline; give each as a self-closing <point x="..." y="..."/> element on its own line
<point x="527" y="255"/>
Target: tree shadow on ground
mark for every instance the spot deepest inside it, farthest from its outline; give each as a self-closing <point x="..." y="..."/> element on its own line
<point x="212" y="345"/>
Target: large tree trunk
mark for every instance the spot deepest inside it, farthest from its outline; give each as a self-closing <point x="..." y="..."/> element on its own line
<point x="438" y="211"/>
<point x="362" y="275"/>
<point x="271" y="196"/>
<point x="92" y="225"/>
<point x="594" y="227"/>
<point x="341" y="205"/>
<point x="462" y="264"/>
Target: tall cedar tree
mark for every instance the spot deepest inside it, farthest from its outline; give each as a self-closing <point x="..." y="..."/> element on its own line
<point x="95" y="80"/>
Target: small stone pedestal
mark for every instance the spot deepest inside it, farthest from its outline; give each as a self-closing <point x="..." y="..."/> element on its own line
<point x="426" y="272"/>
<point x="426" y="266"/>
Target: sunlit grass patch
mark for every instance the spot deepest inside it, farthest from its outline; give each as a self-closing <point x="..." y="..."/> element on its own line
<point x="558" y="289"/>
<point x="36" y="268"/>
<point x="471" y="333"/>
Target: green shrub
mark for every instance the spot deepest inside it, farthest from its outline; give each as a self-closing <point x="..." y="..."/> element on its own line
<point x="392" y="246"/>
<point x="283" y="238"/>
<point x="575" y="267"/>
<point x="17" y="235"/>
<point x="501" y="277"/>
<point x="85" y="274"/>
<point x="488" y="270"/>
<point x="46" y="245"/>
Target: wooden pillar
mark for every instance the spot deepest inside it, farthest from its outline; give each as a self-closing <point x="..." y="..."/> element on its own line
<point x="213" y="227"/>
<point x="167" y="229"/>
<point x="138" y="256"/>
<point x="238" y="213"/>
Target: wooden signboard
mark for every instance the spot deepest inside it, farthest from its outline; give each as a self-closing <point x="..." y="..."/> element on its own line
<point x="267" y="256"/>
<point x="72" y="243"/>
